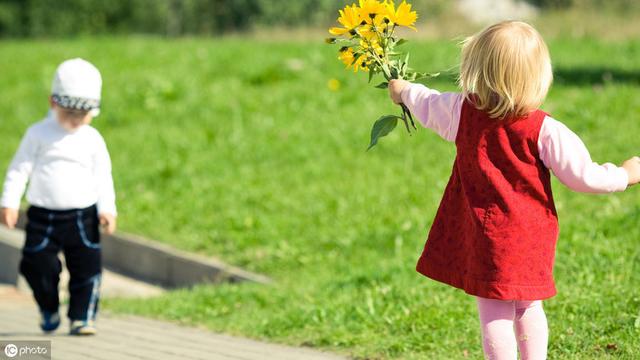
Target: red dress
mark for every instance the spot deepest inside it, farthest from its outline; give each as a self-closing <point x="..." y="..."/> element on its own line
<point x="495" y="232"/>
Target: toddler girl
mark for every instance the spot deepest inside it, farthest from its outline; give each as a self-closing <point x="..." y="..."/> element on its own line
<point x="495" y="231"/>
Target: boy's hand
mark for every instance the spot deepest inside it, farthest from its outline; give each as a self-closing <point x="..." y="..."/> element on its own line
<point x="632" y="166"/>
<point x="108" y="223"/>
<point x="395" y="89"/>
<point x="9" y="217"/>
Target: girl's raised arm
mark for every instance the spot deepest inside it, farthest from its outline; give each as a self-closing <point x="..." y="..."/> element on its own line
<point x="562" y="151"/>
<point x="437" y="111"/>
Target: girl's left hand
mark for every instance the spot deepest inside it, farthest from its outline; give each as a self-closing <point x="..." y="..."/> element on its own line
<point x="395" y="89"/>
<point x="108" y="223"/>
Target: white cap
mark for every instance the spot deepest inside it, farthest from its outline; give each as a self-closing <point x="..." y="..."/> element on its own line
<point x="77" y="84"/>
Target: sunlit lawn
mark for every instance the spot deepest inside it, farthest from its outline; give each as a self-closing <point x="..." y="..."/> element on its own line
<point x="238" y="148"/>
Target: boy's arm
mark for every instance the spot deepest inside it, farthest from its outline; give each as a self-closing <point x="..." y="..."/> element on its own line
<point x="562" y="151"/>
<point x="106" y="192"/>
<point x="19" y="172"/>
<point x="436" y="111"/>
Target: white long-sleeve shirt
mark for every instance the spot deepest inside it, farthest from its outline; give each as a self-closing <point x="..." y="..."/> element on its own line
<point x="560" y="149"/>
<point x="64" y="170"/>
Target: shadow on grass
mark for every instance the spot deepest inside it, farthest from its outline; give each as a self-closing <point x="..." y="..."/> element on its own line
<point x="579" y="76"/>
<point x="595" y="76"/>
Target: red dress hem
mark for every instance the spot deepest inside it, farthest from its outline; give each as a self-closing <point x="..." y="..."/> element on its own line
<point x="485" y="289"/>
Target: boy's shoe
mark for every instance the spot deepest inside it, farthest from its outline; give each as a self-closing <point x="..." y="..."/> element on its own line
<point x="83" y="328"/>
<point x="49" y="321"/>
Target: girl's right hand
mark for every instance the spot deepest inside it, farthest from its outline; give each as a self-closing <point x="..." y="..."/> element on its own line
<point x="9" y="217"/>
<point x="632" y="166"/>
<point x="395" y="89"/>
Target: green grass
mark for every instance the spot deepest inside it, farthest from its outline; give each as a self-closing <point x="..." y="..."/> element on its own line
<point x="237" y="148"/>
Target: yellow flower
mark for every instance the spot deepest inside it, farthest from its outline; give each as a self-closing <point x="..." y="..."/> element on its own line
<point x="375" y="28"/>
<point x="402" y="16"/>
<point x="346" y="56"/>
<point x="333" y="84"/>
<point x="373" y="45"/>
<point x="349" y="18"/>
<point x="362" y="63"/>
<point x="370" y="9"/>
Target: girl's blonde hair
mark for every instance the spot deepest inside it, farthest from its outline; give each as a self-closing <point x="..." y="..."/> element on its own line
<point x="506" y="69"/>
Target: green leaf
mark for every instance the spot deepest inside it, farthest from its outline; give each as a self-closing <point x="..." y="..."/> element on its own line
<point x="401" y="41"/>
<point x="383" y="85"/>
<point x="342" y="40"/>
<point x="394" y="73"/>
<point x="403" y="68"/>
<point x="371" y="73"/>
<point x="422" y="76"/>
<point x="382" y="127"/>
<point x="386" y="70"/>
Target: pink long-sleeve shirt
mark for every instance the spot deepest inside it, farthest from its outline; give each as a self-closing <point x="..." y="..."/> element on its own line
<point x="560" y="149"/>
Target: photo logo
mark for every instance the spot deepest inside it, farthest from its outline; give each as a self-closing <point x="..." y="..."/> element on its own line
<point x="26" y="350"/>
<point x="11" y="350"/>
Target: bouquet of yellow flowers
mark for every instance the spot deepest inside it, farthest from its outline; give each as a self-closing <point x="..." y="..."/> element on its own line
<point x="368" y="43"/>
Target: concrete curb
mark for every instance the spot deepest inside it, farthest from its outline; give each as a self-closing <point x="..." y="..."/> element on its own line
<point x="161" y="264"/>
<point x="11" y="242"/>
<point x="138" y="258"/>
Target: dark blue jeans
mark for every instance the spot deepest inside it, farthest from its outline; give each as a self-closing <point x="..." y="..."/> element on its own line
<point x="75" y="233"/>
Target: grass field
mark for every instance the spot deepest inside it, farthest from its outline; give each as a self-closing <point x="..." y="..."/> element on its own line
<point x="238" y="148"/>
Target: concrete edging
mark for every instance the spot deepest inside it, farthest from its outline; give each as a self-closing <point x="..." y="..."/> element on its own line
<point x="158" y="263"/>
<point x="11" y="242"/>
<point x="136" y="257"/>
